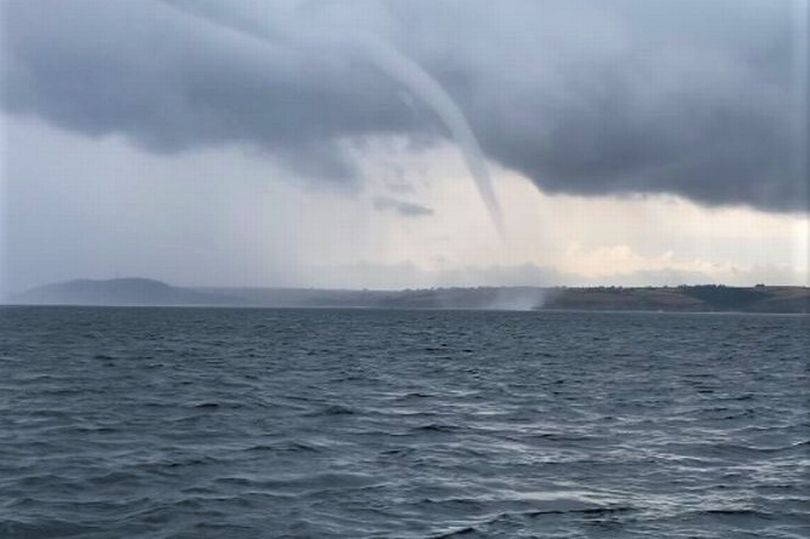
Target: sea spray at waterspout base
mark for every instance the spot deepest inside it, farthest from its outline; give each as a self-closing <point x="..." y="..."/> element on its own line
<point x="393" y="63"/>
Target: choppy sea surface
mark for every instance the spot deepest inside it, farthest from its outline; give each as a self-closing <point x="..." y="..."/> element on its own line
<point x="163" y="422"/>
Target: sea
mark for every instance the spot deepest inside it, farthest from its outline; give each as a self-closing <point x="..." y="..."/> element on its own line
<point x="256" y="423"/>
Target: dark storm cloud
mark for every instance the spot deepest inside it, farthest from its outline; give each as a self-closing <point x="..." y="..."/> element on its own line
<point x="402" y="207"/>
<point x="171" y="83"/>
<point x="687" y="97"/>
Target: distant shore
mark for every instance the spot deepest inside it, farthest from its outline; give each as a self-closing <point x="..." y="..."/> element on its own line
<point x="701" y="298"/>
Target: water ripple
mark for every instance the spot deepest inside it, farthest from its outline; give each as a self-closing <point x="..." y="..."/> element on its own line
<point x="339" y="423"/>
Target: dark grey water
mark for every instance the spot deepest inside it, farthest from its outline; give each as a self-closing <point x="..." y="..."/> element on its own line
<point x="322" y="423"/>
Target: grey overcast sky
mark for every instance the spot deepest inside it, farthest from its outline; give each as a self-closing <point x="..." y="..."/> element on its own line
<point x="260" y="142"/>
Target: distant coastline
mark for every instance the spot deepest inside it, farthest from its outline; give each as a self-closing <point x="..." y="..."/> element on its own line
<point x="701" y="298"/>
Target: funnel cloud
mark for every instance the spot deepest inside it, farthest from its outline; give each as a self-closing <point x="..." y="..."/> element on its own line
<point x="391" y="62"/>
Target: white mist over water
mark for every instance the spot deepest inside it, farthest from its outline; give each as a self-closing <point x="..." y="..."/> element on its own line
<point x="520" y="299"/>
<point x="387" y="59"/>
